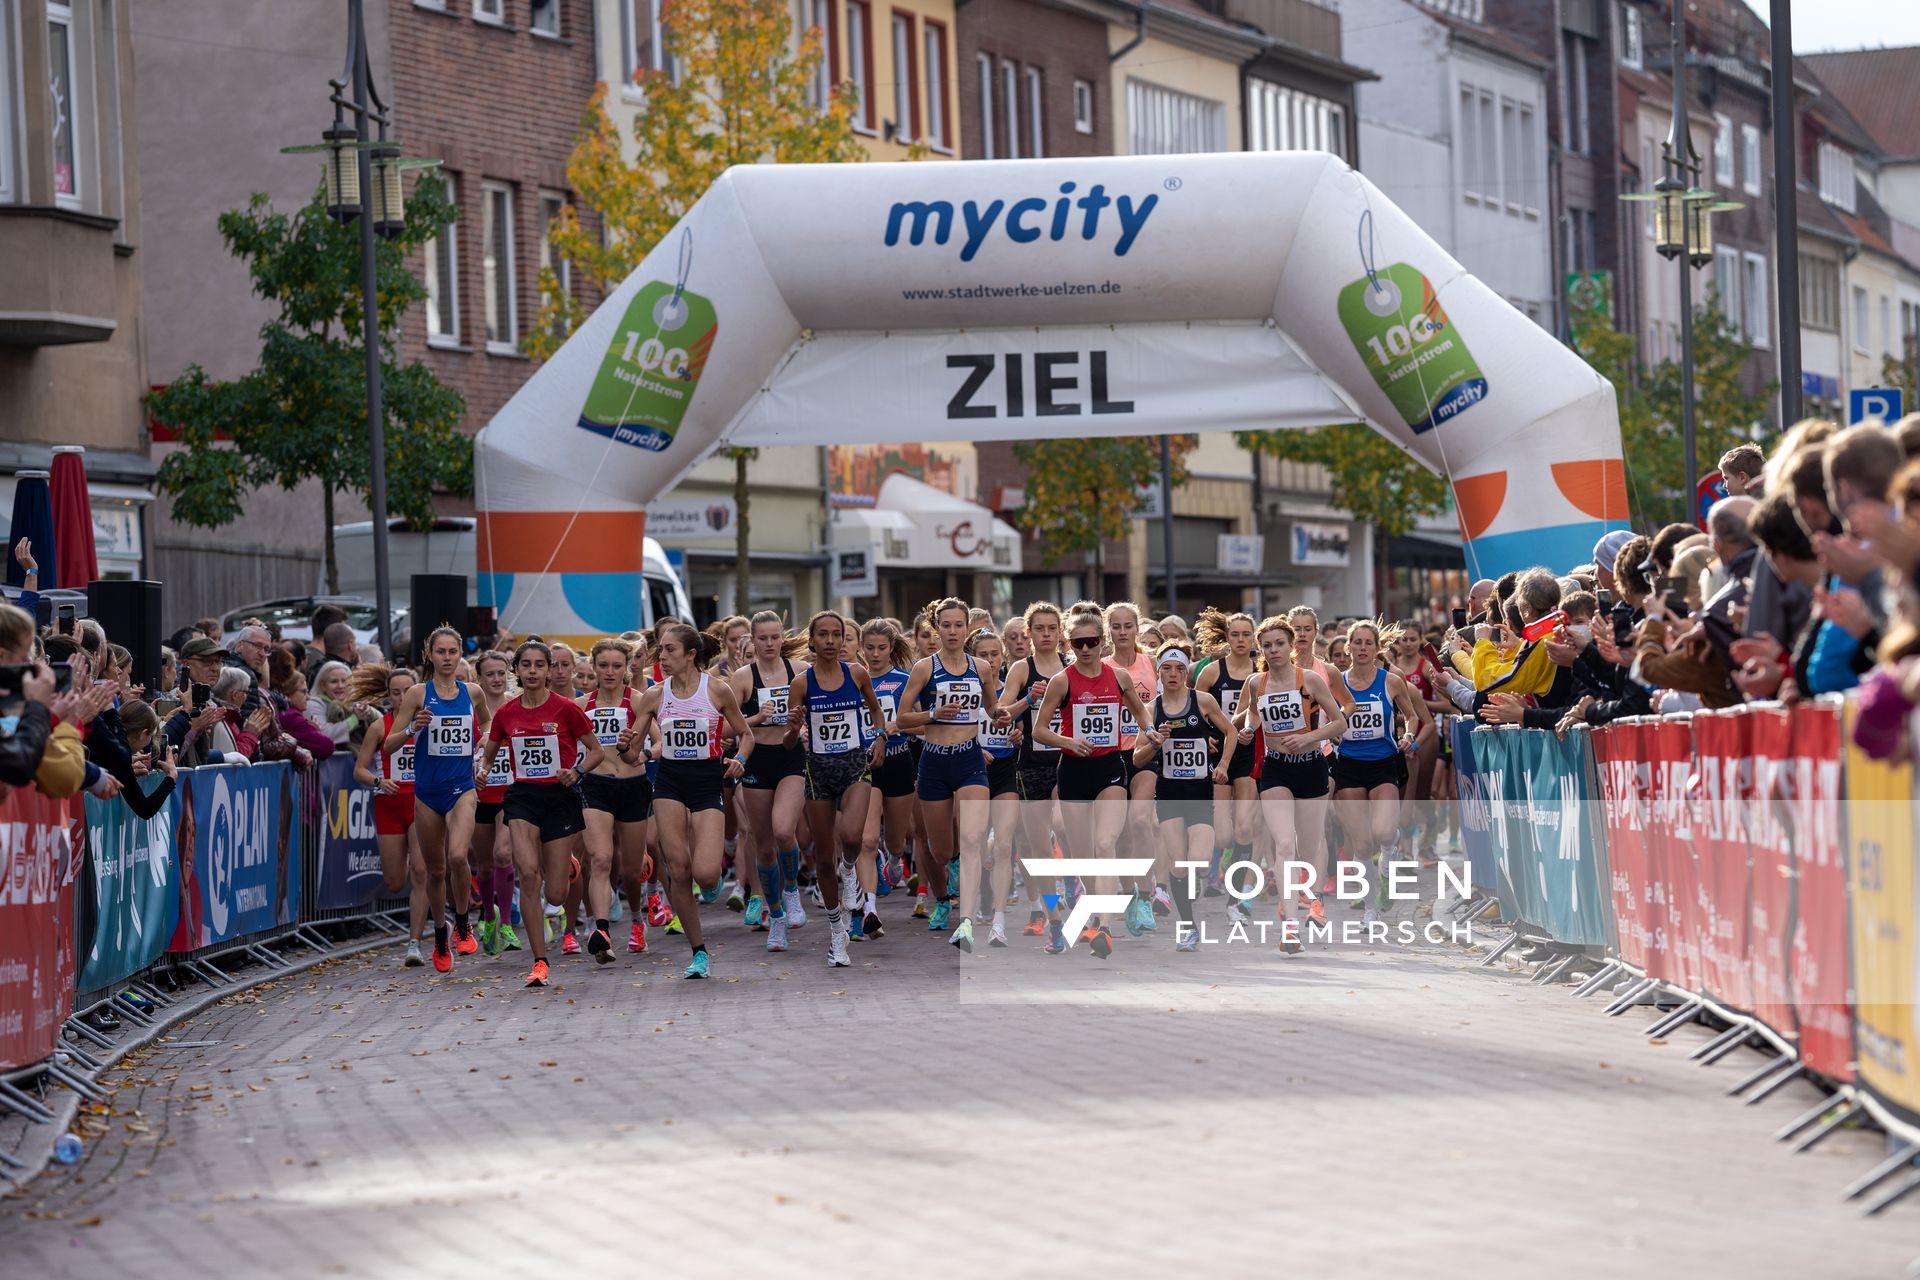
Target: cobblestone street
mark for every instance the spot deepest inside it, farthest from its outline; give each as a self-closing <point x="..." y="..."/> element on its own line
<point x="1349" y="1112"/>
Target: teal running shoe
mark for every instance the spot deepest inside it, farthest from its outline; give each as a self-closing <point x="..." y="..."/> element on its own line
<point x="756" y="909"/>
<point x="937" y="918"/>
<point x="698" y="966"/>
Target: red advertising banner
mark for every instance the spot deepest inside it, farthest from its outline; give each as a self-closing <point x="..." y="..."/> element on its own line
<point x="1619" y="753"/>
<point x="1723" y="796"/>
<point x="1770" y="844"/>
<point x="39" y="845"/>
<point x="1822" y="999"/>
<point x="1674" y="917"/>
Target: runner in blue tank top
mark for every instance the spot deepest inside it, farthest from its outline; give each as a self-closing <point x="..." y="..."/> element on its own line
<point x="1369" y="767"/>
<point x="444" y="718"/>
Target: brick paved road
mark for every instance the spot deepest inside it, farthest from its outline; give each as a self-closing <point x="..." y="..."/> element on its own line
<point x="1377" y="1113"/>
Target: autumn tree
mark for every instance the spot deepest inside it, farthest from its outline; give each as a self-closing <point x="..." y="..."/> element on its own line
<point x="1725" y="412"/>
<point x="1082" y="492"/>
<point x="301" y="413"/>
<point x="740" y="92"/>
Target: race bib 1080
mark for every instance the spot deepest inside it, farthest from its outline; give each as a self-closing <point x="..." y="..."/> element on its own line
<point x="690" y="738"/>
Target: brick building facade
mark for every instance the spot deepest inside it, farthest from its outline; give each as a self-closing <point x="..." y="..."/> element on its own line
<point x="505" y="158"/>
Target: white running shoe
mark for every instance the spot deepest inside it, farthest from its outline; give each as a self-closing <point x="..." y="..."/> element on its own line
<point x="777" y="934"/>
<point x="413" y="959"/>
<point x="837" y="949"/>
<point x="1238" y="912"/>
<point x="813" y="893"/>
<point x="796" y="914"/>
<point x="851" y="896"/>
<point x="1371" y="918"/>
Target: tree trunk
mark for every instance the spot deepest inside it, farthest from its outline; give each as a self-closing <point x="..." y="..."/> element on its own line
<point x="333" y="566"/>
<point x="742" y="532"/>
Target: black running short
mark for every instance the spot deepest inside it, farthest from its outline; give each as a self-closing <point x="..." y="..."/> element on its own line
<point x="1303" y="775"/>
<point x="1039" y="778"/>
<point x="770" y="764"/>
<point x="554" y="809"/>
<point x="1365" y="775"/>
<point x="693" y="784"/>
<point x="1003" y="776"/>
<point x="627" y="799"/>
<point x="1241" y="765"/>
<point x="1086" y="777"/>
<point x="896" y="776"/>
<point x="830" y="777"/>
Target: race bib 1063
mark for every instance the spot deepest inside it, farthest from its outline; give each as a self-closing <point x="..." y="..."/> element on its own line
<point x="1281" y="712"/>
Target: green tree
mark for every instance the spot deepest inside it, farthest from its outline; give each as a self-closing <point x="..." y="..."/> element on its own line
<point x="1651" y="411"/>
<point x="738" y="95"/>
<point x="301" y="413"/>
<point x="1082" y="491"/>
<point x="1900" y="372"/>
<point x="1368" y="474"/>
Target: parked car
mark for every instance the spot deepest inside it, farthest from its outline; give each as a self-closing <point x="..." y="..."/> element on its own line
<point x="294" y="615"/>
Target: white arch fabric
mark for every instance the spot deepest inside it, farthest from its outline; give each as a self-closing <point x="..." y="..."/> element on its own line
<point x="817" y="304"/>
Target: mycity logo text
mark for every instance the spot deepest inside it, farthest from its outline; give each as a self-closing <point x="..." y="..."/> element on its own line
<point x="1022" y="221"/>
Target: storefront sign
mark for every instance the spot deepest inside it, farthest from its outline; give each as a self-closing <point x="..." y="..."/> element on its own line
<point x="1241" y="554"/>
<point x="854" y="573"/>
<point x="681" y="519"/>
<point x="1320" y="544"/>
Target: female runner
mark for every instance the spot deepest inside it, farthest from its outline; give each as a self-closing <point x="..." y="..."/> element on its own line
<point x="541" y="731"/>
<point x="618" y="799"/>
<point x="834" y="701"/>
<point x="1407" y="659"/>
<point x="448" y="716"/>
<point x="1236" y="810"/>
<point x="948" y="696"/>
<point x="1092" y="785"/>
<point x="1187" y="735"/>
<point x="1026" y="689"/>
<point x="1370" y="766"/>
<point x="920" y="880"/>
<point x="1297" y="713"/>
<point x="774" y="790"/>
<point x="492" y="855"/>
<point x="1123" y="633"/>
<point x="1001" y="744"/>
<point x="694" y="712"/>
<point x="889" y="659"/>
<point x="401" y="865"/>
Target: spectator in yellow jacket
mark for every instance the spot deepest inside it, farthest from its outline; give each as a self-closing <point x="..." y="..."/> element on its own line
<point x="1517" y="666"/>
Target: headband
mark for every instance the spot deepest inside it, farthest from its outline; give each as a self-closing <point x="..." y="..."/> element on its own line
<point x="1174" y="656"/>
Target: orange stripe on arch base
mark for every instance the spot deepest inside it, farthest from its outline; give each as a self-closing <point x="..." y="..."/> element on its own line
<point x="560" y="541"/>
<point x="1478" y="500"/>
<point x="1598" y="486"/>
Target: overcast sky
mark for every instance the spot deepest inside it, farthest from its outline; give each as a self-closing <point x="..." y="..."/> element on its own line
<point x="1819" y="25"/>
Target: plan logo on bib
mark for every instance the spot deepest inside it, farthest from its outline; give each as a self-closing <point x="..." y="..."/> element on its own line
<point x="652" y="367"/>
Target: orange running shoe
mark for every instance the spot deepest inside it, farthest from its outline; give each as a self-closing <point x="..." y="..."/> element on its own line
<point x="442" y="959"/>
<point x="466" y="946"/>
<point x="1036" y="925"/>
<point x="637" y="938"/>
<point x="569" y="945"/>
<point x="538" y="978"/>
<point x="1317" y="912"/>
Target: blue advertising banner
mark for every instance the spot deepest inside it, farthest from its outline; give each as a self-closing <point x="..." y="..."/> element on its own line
<point x="135" y="888"/>
<point x="1544" y="819"/>
<point x="240" y="837"/>
<point x="1507" y="823"/>
<point x="348" y="874"/>
<point x="1476" y="837"/>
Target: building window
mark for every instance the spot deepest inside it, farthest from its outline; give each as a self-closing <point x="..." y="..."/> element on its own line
<point x="1284" y="119"/>
<point x="6" y="106"/>
<point x="496" y="267"/>
<point x="1754" y="298"/>
<point x="906" y="81"/>
<point x="1164" y="122"/>
<point x="1582" y="118"/>
<point x="1723" y="150"/>
<point x="1820" y="294"/>
<point x="443" y="282"/>
<point x="1036" y="120"/>
<point x="1489" y="125"/>
<point x="1646" y="184"/>
<point x="1010" y="106"/>
<point x="646" y="40"/>
<point x="67" y="111"/>
<point x="1860" y="331"/>
<point x="544" y="17"/>
<point x="1630" y="52"/>
<point x="1532" y="189"/>
<point x="1082" y="107"/>
<point x="490" y="10"/>
<point x="817" y="15"/>
<point x="934" y="38"/>
<point x="1750" y="159"/>
<point x="1472" y="166"/>
<point x="984" y="66"/>
<point x="1886" y="325"/>
<point x="1510" y="135"/>
<point x="1836" y="176"/>
<point x="859" y="64"/>
<point x="551" y="202"/>
<point x="1726" y="283"/>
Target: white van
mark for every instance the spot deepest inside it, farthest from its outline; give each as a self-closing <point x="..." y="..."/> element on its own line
<point x="448" y="548"/>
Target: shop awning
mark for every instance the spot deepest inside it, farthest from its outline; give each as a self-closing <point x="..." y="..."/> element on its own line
<point x="916" y="526"/>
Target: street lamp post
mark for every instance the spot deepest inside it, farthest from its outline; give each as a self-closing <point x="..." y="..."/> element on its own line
<point x="363" y="182"/>
<point x="1683" y="229"/>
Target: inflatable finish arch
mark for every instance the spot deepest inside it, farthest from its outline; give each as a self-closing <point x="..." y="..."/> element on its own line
<point x="804" y="304"/>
